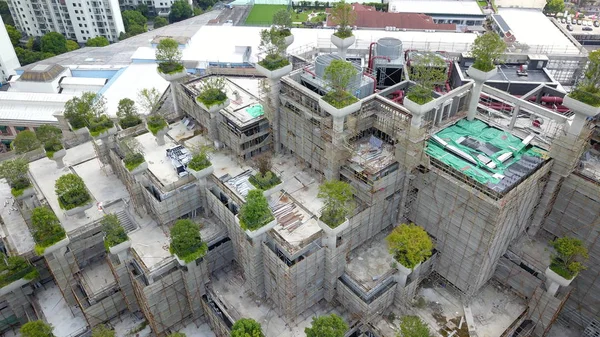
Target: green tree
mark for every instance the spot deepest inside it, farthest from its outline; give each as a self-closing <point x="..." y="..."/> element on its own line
<point x="148" y="99"/>
<point x="197" y="11"/>
<point x="71" y="191"/>
<point x="186" y="241"/>
<point x="344" y="16"/>
<point x="136" y="30"/>
<point x="98" y="41"/>
<point x="127" y="113"/>
<point x="246" y="327"/>
<point x="486" y="50"/>
<point x="54" y="43"/>
<point x="409" y="244"/>
<point x="255" y="213"/>
<point x="327" y="326"/>
<point x="587" y="89"/>
<point x="15" y="172"/>
<point x="133" y="18"/>
<point x="338" y="75"/>
<point x="26" y="56"/>
<point x="13" y="34"/>
<point x="283" y="18"/>
<point x="102" y="330"/>
<point x="168" y="51"/>
<point x="338" y="199"/>
<point x="79" y="110"/>
<point x="568" y="257"/>
<point x="180" y="10"/>
<point x="413" y="326"/>
<point x="36" y="329"/>
<point x="143" y="9"/>
<point x="5" y="13"/>
<point x="26" y="141"/>
<point x="47" y="133"/>
<point x="159" y="21"/>
<point x="427" y="70"/>
<point x="72" y="45"/>
<point x="114" y="233"/>
<point x="554" y="6"/>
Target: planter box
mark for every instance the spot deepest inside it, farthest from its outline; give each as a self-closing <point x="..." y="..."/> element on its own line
<point x="343" y="43"/>
<point x="57" y="155"/>
<point x="554" y="277"/>
<point x="79" y="209"/>
<point x="260" y="231"/>
<point x="479" y="75"/>
<point x="106" y="133"/>
<point x="116" y="249"/>
<point x="343" y="112"/>
<point x="580" y="107"/>
<point x="28" y="192"/>
<point x="404" y="270"/>
<point x="273" y="74"/>
<point x="202" y="173"/>
<point x="213" y="108"/>
<point x="81" y="131"/>
<point x="138" y="170"/>
<point x="173" y="76"/>
<point x="60" y="244"/>
<point x="13" y="286"/>
<point x="333" y="231"/>
<point x="288" y="40"/>
<point x="418" y="110"/>
<point x="273" y="190"/>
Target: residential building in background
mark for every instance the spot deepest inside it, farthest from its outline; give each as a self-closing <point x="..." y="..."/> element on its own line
<point x="8" y="58"/>
<point x="155" y="7"/>
<point x="78" y="20"/>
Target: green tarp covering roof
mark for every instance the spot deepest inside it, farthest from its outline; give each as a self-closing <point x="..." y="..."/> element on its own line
<point x="255" y="111"/>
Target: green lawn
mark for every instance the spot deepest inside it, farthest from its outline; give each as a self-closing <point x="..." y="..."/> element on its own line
<point x="263" y="14"/>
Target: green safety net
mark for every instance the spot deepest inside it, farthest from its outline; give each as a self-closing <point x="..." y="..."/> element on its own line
<point x="483" y="133"/>
<point x="255" y="110"/>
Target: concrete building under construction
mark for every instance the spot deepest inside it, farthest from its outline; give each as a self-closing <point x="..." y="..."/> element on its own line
<point x="492" y="172"/>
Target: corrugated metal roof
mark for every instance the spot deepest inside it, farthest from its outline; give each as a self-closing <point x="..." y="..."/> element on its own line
<point x="25" y="106"/>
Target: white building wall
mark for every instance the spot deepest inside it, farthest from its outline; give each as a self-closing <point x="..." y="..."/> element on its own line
<point x="78" y="20"/>
<point x="8" y="58"/>
<point x="538" y="4"/>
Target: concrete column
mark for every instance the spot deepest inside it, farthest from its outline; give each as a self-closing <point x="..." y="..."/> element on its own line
<point x="474" y="100"/>
<point x="202" y="186"/>
<point x="174" y="96"/>
<point x="275" y="84"/>
<point x="338" y="124"/>
<point x="213" y="129"/>
<point x="160" y="136"/>
<point x="546" y="202"/>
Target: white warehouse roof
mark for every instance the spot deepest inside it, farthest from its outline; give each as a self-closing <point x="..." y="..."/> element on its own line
<point x="31" y="107"/>
<point x="439" y="7"/>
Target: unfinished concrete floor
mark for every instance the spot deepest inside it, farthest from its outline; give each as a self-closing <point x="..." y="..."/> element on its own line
<point x="228" y="285"/>
<point x="65" y="321"/>
<point x="98" y="277"/>
<point x="368" y="262"/>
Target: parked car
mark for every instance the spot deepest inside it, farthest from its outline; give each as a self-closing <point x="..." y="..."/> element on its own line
<point x="596" y="24"/>
<point x="570" y="28"/>
<point x="573" y="21"/>
<point x="562" y="20"/>
<point x="587" y="28"/>
<point x="579" y="22"/>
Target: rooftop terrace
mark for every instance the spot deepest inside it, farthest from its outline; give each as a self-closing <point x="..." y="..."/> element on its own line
<point x="14" y="227"/>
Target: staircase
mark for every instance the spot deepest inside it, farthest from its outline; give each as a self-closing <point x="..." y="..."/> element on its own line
<point x="125" y="221"/>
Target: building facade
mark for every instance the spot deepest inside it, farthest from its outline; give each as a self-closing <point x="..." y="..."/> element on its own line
<point x="78" y="20"/>
<point x="8" y="58"/>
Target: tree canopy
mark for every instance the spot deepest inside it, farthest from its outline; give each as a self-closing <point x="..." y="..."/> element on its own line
<point x="98" y="41"/>
<point x="283" y="18"/>
<point x="568" y="257"/>
<point x="148" y="99"/>
<point x="339" y="74"/>
<point x="427" y="70"/>
<point x="409" y="244"/>
<point x="72" y="45"/>
<point x="102" y="330"/>
<point x="246" y="327"/>
<point x="27" y="56"/>
<point x="338" y="197"/>
<point x="255" y="213"/>
<point x="413" y="326"/>
<point x="554" y="6"/>
<point x="36" y="329"/>
<point x="26" y="141"/>
<point x="344" y="16"/>
<point x="180" y="10"/>
<point x="168" y="51"/>
<point x="487" y="49"/>
<point x="159" y="21"/>
<point x="327" y="326"/>
<point x="54" y="43"/>
<point x="186" y="242"/>
<point x="133" y="18"/>
<point x="79" y="110"/>
<point x="13" y="34"/>
<point x="14" y="170"/>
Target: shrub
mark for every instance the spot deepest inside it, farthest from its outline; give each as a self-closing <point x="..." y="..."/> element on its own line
<point x="343" y="15"/>
<point x="36" y="329"/>
<point x="186" y="242"/>
<point x="338" y="74"/>
<point x="79" y="110"/>
<point x="570" y="253"/>
<point x="133" y="160"/>
<point x="409" y="244"/>
<point x="587" y="89"/>
<point x="255" y="213"/>
<point x="327" y="326"/>
<point x="199" y="162"/>
<point x="71" y="191"/>
<point x="100" y="124"/>
<point x="46" y="133"/>
<point x="427" y="70"/>
<point x="46" y="229"/>
<point x="264" y="181"/>
<point x="338" y="197"/>
<point x="246" y="327"/>
<point x="25" y="141"/>
<point x="413" y="326"/>
<point x="155" y="123"/>
<point x="114" y="233"/>
<point x="212" y="91"/>
<point x="102" y="330"/>
<point x="15" y="268"/>
<point x="486" y="50"/>
<point x="128" y="114"/>
<point x="15" y="173"/>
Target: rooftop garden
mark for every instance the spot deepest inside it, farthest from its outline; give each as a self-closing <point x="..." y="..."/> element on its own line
<point x="338" y="199"/>
<point x="587" y="90"/>
<point x="15" y="268"/>
<point x="255" y="213"/>
<point x="246" y="327"/>
<point x="50" y="136"/>
<point x="155" y="123"/>
<point x="100" y="124"/>
<point x="272" y="44"/>
<point x="15" y="173"/>
<point x="25" y="141"/>
<point x="128" y="114"/>
<point x="487" y="49"/>
<point x="114" y="233"/>
<point x="344" y="16"/>
<point x="71" y="191"/>
<point x="265" y="178"/>
<point x="36" y="329"/>
<point x="568" y="257"/>
<point x="46" y="229"/>
<point x="327" y="325"/>
<point x="169" y="57"/>
<point x="80" y="110"/>
<point x="212" y="91"/>
<point x="409" y="244"/>
<point x="200" y="160"/>
<point x="186" y="241"/>
<point x="338" y="75"/>
<point x="427" y="70"/>
<point x="133" y="154"/>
